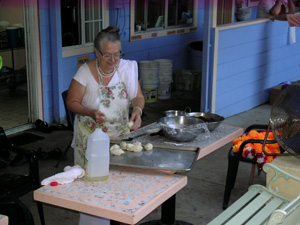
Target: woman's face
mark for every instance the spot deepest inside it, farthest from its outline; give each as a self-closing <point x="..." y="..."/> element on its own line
<point x="109" y="56"/>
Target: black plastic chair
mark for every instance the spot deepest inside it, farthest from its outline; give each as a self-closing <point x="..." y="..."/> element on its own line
<point x="235" y="158"/>
<point x="70" y="121"/>
<point x="14" y="186"/>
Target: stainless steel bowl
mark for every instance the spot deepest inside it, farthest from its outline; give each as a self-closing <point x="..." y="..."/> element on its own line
<point x="212" y="120"/>
<point x="181" y="128"/>
<point x="174" y="113"/>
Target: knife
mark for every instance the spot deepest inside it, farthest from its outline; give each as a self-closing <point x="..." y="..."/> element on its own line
<point x="131" y="138"/>
<point x="151" y="134"/>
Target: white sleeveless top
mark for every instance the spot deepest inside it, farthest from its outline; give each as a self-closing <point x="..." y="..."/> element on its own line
<point x="128" y="73"/>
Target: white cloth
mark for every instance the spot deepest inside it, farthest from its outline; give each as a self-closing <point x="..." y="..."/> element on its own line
<point x="68" y="176"/>
<point x="264" y="7"/>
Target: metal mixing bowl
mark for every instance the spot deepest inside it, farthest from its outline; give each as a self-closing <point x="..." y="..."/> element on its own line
<point x="174" y="113"/>
<point x="212" y="120"/>
<point x="181" y="128"/>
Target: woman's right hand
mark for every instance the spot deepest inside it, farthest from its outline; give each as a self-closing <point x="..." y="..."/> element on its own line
<point x="98" y="116"/>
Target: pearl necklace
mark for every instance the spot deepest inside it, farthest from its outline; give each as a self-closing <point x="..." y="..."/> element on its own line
<point x="102" y="74"/>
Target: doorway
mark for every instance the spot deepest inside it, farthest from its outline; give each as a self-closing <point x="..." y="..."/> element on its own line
<point x="13" y="77"/>
<point x="21" y="93"/>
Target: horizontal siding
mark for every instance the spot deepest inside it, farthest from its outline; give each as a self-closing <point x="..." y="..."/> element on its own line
<point x="244" y="50"/>
<point x="257" y="58"/>
<point x="246" y="34"/>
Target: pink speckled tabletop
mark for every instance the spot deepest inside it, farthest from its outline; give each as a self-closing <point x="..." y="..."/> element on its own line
<point x="3" y="220"/>
<point x="127" y="196"/>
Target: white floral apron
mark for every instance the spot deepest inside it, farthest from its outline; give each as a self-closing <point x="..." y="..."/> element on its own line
<point x="114" y="103"/>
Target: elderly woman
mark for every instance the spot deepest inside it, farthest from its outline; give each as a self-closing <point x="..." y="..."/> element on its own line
<point x="100" y="95"/>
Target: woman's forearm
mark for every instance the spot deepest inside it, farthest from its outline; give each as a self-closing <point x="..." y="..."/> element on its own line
<point x="291" y="5"/>
<point x="139" y="100"/>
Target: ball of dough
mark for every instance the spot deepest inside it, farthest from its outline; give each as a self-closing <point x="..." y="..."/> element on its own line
<point x="129" y="147"/>
<point x="137" y="143"/>
<point x="123" y="145"/>
<point x="137" y="148"/>
<point x="117" y="151"/>
<point x="148" y="146"/>
<point x="115" y="146"/>
<point x="130" y="124"/>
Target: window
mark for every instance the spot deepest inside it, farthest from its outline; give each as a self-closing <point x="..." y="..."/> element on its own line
<point x="81" y="20"/>
<point x="155" y="18"/>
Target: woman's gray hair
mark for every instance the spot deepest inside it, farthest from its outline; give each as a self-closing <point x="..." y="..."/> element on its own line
<point x="111" y="33"/>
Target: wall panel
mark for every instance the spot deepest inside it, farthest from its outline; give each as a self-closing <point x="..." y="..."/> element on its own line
<point x="251" y="60"/>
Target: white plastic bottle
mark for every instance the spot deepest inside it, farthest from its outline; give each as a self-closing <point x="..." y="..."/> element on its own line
<point x="96" y="164"/>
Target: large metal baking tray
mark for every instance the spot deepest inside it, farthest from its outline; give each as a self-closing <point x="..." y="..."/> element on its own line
<point x="161" y="157"/>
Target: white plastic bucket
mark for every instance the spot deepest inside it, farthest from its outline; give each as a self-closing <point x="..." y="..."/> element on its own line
<point x="164" y="91"/>
<point x="164" y="62"/>
<point x="149" y="74"/>
<point x="148" y="64"/>
<point x="148" y="71"/>
<point x="150" y="92"/>
<point x="165" y="71"/>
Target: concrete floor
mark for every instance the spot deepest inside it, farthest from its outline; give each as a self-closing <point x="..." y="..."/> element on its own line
<point x="197" y="203"/>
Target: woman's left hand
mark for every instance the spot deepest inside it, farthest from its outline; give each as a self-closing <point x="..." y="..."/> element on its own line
<point x="136" y="118"/>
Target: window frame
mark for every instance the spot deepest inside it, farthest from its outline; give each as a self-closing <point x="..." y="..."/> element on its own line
<point x="86" y="48"/>
<point x="159" y="32"/>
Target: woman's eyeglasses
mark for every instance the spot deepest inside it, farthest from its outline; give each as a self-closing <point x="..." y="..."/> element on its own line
<point x="109" y="55"/>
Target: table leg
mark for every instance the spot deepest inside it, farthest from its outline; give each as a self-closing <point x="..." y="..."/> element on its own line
<point x="167" y="214"/>
<point x="41" y="212"/>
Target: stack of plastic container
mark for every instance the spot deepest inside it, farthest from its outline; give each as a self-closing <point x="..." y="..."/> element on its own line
<point x="149" y="80"/>
<point x="165" y="72"/>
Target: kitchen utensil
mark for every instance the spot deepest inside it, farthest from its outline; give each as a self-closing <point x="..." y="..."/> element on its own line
<point x="182" y="128"/>
<point x="131" y="138"/>
<point x="162" y="157"/>
<point x="212" y="120"/>
<point x="177" y="112"/>
<point x="174" y="113"/>
<point x="159" y="132"/>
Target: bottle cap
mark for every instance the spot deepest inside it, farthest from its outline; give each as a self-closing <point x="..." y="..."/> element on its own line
<point x="54" y="183"/>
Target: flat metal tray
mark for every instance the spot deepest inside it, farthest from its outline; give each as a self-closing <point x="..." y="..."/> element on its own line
<point x="161" y="157"/>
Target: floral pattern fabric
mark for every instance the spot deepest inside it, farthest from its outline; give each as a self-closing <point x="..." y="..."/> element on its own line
<point x="114" y="103"/>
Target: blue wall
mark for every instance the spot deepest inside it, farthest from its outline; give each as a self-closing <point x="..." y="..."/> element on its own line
<point x="251" y="60"/>
<point x="57" y="72"/>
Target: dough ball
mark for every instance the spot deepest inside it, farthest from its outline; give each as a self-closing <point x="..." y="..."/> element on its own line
<point x="129" y="147"/>
<point x="123" y="145"/>
<point x="130" y="124"/>
<point x="115" y="146"/>
<point x="148" y="146"/>
<point x="137" y="143"/>
<point x="117" y="151"/>
<point x="137" y="148"/>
